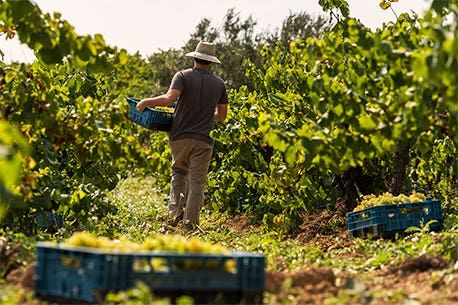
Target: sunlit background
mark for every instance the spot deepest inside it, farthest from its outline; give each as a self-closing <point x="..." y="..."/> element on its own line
<point x="148" y="26"/>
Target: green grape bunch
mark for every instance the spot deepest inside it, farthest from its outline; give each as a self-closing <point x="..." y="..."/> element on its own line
<point x="388" y="198"/>
<point x="160" y="243"/>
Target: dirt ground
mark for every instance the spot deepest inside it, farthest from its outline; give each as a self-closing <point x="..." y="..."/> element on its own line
<point x="309" y="285"/>
<point x="238" y="223"/>
<point x="409" y="280"/>
<point x="426" y="279"/>
<point x="22" y="277"/>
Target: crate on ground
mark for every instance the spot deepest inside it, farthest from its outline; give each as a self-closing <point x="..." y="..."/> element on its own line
<point x="387" y="220"/>
<point x="87" y="274"/>
<point x="150" y="118"/>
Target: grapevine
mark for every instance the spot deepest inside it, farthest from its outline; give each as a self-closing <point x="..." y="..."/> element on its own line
<point x="345" y="101"/>
<point x="322" y="106"/>
<point x="385" y="4"/>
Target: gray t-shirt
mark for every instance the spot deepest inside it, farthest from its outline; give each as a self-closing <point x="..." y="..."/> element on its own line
<point x="201" y="91"/>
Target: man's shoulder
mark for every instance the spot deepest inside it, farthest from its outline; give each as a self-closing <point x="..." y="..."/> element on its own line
<point x="221" y="82"/>
<point x="189" y="70"/>
<point x="217" y="78"/>
<point x="220" y="79"/>
<point x="184" y="72"/>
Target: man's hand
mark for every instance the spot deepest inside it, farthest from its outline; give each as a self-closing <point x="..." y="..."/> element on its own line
<point x="220" y="112"/>
<point x="141" y="105"/>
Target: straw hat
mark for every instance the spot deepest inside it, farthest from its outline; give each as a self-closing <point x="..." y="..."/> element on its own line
<point x="205" y="51"/>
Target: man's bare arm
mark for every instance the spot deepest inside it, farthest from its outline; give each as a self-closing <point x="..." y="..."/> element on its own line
<point x="162" y="100"/>
<point x="220" y="112"/>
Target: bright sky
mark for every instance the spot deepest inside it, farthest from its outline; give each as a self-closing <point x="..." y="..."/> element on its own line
<point x="150" y="25"/>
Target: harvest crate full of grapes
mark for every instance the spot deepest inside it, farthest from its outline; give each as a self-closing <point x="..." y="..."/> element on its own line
<point x="387" y="215"/>
<point x="86" y="268"/>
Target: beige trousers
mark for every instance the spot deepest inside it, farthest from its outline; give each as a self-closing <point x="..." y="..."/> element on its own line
<point x="191" y="159"/>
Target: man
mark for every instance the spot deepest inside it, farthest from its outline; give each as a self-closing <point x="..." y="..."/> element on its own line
<point x="201" y="99"/>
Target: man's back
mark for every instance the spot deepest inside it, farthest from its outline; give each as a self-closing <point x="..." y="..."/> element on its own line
<point x="201" y="91"/>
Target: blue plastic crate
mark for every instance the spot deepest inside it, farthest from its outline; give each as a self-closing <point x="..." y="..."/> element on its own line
<point x="394" y="218"/>
<point x="150" y="118"/>
<point x="85" y="274"/>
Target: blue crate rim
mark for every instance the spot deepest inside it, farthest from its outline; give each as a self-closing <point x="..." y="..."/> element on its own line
<point x="231" y="255"/>
<point x="136" y="101"/>
<point x="432" y="201"/>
